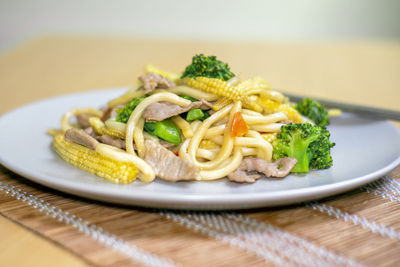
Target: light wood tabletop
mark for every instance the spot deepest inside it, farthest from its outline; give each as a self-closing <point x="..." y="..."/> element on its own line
<point x="365" y="73"/>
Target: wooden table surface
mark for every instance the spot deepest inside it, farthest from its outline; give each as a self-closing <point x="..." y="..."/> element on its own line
<point x="358" y="72"/>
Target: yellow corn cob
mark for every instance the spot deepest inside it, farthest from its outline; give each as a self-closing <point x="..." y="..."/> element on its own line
<point x="93" y="162"/>
<point x="222" y="88"/>
<point x="271" y="106"/>
<point x="221" y="102"/>
<point x="100" y="128"/>
<point x="270" y="137"/>
<point x="173" y="77"/>
<point x="216" y="87"/>
<point x="208" y="144"/>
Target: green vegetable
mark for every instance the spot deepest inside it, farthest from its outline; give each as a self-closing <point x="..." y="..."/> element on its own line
<point x="206" y="115"/>
<point x="209" y="67"/>
<point x="166" y="130"/>
<point x="189" y="98"/>
<point x="124" y="113"/>
<point x="150" y="127"/>
<point x="194" y="114"/>
<point x="309" y="144"/>
<point x="314" y="111"/>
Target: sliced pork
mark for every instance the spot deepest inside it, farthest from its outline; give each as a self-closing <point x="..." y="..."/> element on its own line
<point x="167" y="165"/>
<point x="109" y="140"/>
<point x="167" y="145"/>
<point x="81" y="137"/>
<point x="243" y="177"/>
<point x="153" y="80"/>
<point x="83" y="120"/>
<point x="163" y="110"/>
<point x="91" y="132"/>
<point x="204" y="104"/>
<point x="280" y="168"/>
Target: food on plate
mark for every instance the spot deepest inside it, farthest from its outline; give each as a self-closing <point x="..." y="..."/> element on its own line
<point x="204" y="124"/>
<point x="307" y="143"/>
<point x="313" y="110"/>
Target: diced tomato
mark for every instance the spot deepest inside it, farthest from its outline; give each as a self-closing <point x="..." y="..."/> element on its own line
<point x="176" y="153"/>
<point x="239" y="126"/>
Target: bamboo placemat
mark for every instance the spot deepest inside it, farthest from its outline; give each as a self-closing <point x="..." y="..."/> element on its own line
<point x="361" y="227"/>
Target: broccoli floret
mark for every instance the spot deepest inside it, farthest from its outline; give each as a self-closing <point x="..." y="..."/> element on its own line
<point x="308" y="143"/>
<point x="124" y="113"/>
<point x="314" y="111"/>
<point x="209" y="67"/>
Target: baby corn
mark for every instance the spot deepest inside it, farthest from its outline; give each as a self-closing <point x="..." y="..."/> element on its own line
<point x="271" y="106"/>
<point x="222" y="88"/>
<point x="93" y="162"/>
<point x="215" y="86"/>
<point x="100" y="128"/>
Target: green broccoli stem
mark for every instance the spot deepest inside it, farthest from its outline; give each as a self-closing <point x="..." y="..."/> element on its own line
<point x="300" y="152"/>
<point x="303" y="161"/>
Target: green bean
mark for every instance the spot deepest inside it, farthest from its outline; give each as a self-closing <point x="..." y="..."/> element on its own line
<point x="194" y="114"/>
<point x="166" y="130"/>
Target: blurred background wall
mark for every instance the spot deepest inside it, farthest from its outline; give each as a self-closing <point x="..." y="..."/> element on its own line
<point x="239" y="20"/>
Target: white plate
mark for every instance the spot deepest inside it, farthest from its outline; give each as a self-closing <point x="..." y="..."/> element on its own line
<point x="365" y="150"/>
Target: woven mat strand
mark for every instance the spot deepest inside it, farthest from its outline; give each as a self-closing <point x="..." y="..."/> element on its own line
<point x="361" y="227"/>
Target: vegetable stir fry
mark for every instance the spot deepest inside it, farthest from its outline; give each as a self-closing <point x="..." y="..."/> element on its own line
<point x="203" y="124"/>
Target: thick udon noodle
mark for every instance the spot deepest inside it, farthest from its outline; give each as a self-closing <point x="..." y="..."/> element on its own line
<point x="213" y="163"/>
